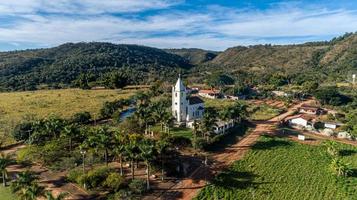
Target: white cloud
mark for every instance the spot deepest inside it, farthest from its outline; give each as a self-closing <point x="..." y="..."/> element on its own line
<point x="212" y="28"/>
<point x="81" y="6"/>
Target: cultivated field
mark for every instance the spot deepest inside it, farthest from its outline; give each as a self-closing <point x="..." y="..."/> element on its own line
<point x="17" y="106"/>
<point x="281" y="169"/>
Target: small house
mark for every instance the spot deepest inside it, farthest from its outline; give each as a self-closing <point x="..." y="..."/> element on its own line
<point x="311" y="110"/>
<point x="211" y="94"/>
<point x="222" y="126"/>
<point x="302" y="120"/>
<point x="332" y="125"/>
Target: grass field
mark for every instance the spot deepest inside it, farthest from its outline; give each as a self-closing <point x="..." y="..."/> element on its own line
<point x="281" y="169"/>
<point x="5" y="194"/>
<point x="264" y="112"/>
<point x="16" y="106"/>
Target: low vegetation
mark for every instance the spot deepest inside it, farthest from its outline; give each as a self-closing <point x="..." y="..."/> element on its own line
<point x="16" y="107"/>
<point x="277" y="168"/>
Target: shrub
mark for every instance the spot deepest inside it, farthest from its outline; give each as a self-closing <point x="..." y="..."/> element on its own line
<point x="121" y="194"/>
<point x="74" y="175"/>
<point x="82" y="118"/>
<point x="22" y="131"/>
<point x="137" y="186"/>
<point x="114" y="181"/>
<point x="95" y="177"/>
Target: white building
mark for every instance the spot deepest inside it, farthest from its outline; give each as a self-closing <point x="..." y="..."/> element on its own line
<point x="185" y="109"/>
<point x="211" y="94"/>
<point x="305" y="121"/>
<point x="223" y="126"/>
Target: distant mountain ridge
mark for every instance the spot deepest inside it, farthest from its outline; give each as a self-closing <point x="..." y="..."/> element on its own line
<point x="61" y="66"/>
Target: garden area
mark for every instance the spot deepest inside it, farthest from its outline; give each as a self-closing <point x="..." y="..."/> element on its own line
<point x="277" y="168"/>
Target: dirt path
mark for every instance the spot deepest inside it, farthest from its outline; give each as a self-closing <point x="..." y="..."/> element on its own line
<point x="188" y="188"/>
<point x="53" y="181"/>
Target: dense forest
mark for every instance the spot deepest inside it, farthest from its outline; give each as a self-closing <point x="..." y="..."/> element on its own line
<point x="103" y="64"/>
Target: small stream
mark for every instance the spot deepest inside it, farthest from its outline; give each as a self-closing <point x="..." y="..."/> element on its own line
<point x="127" y="113"/>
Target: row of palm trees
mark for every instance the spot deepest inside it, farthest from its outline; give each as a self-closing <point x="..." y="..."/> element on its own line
<point x="127" y="147"/>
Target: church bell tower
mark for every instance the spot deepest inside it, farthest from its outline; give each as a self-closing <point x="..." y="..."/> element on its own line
<point x="179" y="101"/>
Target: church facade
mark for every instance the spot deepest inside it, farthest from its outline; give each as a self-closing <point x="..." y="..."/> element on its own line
<point x="185" y="108"/>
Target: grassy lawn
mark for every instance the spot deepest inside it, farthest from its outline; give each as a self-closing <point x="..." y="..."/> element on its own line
<point x="263" y="112"/>
<point x="5" y="194"/>
<point x="15" y="106"/>
<point x="281" y="169"/>
<point x="176" y="131"/>
<point x="218" y="103"/>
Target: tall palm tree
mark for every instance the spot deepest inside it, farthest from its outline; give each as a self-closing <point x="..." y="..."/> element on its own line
<point x="119" y="148"/>
<point x="209" y="122"/>
<point x="70" y="131"/>
<point x="147" y="148"/>
<point x="61" y="196"/>
<point x="131" y="151"/>
<point x="101" y="139"/>
<point x="5" y="160"/>
<point x="161" y="147"/>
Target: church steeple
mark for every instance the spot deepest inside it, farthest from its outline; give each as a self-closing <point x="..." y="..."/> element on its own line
<point x="179" y="86"/>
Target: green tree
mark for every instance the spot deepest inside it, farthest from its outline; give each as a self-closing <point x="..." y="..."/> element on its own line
<point x="70" y="131"/>
<point x="147" y="148"/>
<point x="5" y="161"/>
<point x="119" y="147"/>
<point x="161" y="147"/>
<point x="209" y="121"/>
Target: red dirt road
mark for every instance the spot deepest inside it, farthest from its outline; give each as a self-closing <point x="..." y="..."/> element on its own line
<point x="188" y="188"/>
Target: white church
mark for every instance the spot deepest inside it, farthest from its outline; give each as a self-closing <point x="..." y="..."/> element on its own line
<point x="185" y="108"/>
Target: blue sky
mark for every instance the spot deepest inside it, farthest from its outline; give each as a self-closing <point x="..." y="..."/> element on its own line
<point x="208" y="24"/>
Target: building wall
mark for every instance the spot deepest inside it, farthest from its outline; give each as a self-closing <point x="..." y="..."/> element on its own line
<point x="222" y="128"/>
<point x="179" y="105"/>
<point x="299" y="121"/>
<point x="194" y="112"/>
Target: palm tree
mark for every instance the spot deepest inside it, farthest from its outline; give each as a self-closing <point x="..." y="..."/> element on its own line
<point x="70" y="131"/>
<point x="61" y="196"/>
<point x="23" y="180"/>
<point x="340" y="168"/>
<point x="101" y="139"/>
<point x="31" y="192"/>
<point x="161" y="147"/>
<point x="132" y="152"/>
<point x="5" y="161"/>
<point x="147" y="148"/>
<point x="195" y="131"/>
<point x="119" y="148"/>
<point x="209" y="121"/>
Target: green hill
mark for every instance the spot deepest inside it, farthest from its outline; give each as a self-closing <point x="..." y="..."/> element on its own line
<point x="25" y="70"/>
<point x="61" y="66"/>
<point x="193" y="55"/>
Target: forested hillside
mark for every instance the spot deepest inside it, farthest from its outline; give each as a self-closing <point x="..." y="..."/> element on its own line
<point x="194" y="56"/>
<point x="104" y="64"/>
<point x="325" y="61"/>
<point x="62" y="65"/>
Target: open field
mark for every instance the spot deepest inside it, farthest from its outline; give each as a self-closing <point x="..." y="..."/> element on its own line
<point x="5" y="194"/>
<point x="264" y="112"/>
<point x="16" y="106"/>
<point x="277" y="168"/>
